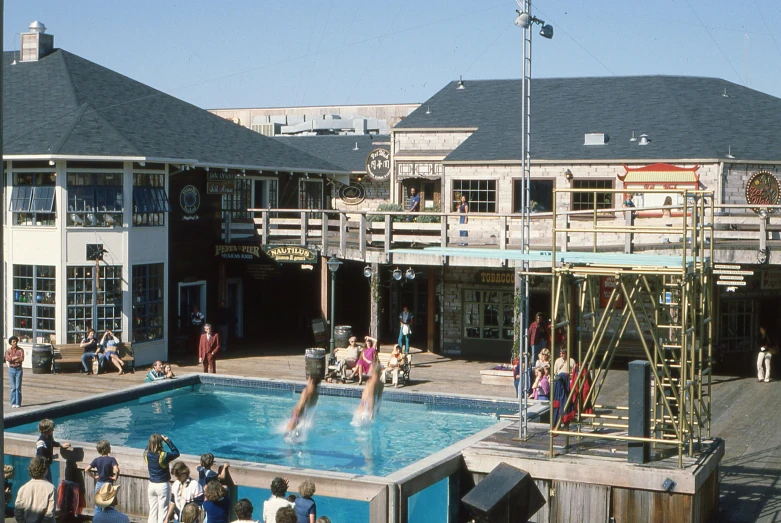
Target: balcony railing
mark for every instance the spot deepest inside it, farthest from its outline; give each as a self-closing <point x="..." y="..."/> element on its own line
<point x="614" y="229"/>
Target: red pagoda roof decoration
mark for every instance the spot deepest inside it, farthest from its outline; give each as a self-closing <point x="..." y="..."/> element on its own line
<point x="660" y="173"/>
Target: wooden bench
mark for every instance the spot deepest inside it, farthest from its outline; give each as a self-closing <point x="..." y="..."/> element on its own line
<point x="382" y="357"/>
<point x="71" y="353"/>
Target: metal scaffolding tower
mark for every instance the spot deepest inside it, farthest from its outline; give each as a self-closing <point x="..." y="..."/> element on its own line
<point x="663" y="305"/>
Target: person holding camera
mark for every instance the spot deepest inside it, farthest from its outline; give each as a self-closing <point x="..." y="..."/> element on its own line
<point x="109" y="342"/>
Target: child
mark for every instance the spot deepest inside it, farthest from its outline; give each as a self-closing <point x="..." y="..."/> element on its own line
<point x="217" y="505"/>
<point x="205" y="472"/>
<point x="45" y="446"/>
<point x="104" y="468"/>
<point x="8" y="476"/>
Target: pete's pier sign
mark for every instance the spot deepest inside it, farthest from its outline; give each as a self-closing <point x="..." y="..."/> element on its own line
<point x="237" y="252"/>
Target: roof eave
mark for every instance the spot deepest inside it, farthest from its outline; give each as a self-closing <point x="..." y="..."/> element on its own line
<point x="612" y="161"/>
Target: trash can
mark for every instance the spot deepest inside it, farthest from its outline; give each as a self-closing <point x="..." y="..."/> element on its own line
<point x="315" y="363"/>
<point x="342" y="335"/>
<point x="42" y="358"/>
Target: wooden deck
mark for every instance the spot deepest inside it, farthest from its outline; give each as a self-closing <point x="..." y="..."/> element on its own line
<point x="746" y="413"/>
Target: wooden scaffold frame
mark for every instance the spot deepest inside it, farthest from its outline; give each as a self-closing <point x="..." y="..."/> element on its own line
<point x="664" y="303"/>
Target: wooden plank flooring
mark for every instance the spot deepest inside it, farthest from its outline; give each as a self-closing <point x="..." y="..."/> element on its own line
<point x="745" y="413"/>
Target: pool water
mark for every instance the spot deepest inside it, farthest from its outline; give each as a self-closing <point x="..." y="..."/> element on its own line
<point x="248" y="424"/>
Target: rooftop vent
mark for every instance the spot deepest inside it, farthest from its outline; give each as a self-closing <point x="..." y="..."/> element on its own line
<point x="36" y="44"/>
<point x="596" y="139"/>
<point x="643" y="140"/>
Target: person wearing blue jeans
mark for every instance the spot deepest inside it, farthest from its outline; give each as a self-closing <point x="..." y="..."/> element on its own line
<point x="14" y="356"/>
<point x="406" y="319"/>
<point x="92" y="350"/>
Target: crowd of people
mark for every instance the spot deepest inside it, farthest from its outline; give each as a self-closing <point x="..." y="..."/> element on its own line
<point x="173" y="495"/>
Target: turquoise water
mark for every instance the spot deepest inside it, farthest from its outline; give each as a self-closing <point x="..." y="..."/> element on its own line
<point x="248" y="425"/>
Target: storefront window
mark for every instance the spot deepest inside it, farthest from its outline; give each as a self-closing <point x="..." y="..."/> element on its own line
<point x="239" y="201"/>
<point x="95" y="200"/>
<point x="584" y="201"/>
<point x="540" y="196"/>
<point x="150" y="201"/>
<point x="32" y="199"/>
<point x="481" y="194"/>
<point x="488" y="315"/>
<point x="92" y="306"/>
<point x="310" y="194"/>
<point x="147" y="302"/>
<point x="34" y="302"/>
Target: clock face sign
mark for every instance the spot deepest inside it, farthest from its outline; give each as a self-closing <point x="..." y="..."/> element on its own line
<point x="190" y="199"/>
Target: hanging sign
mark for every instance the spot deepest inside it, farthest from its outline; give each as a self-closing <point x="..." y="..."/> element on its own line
<point x="378" y="164"/>
<point x="495" y="277"/>
<point x="190" y="201"/>
<point x="220" y="187"/>
<point x="220" y="177"/>
<point x="237" y="252"/>
<point x="352" y="194"/>
<point x="771" y="279"/>
<point x="762" y="189"/>
<point x="290" y="254"/>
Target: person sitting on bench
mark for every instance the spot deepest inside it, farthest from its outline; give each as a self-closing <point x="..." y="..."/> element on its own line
<point x="346" y="367"/>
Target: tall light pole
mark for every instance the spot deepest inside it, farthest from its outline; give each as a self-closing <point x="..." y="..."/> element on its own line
<point x="333" y="266"/>
<point x="525" y="20"/>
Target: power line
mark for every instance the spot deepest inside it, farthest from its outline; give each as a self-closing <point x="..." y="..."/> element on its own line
<point x="767" y="27"/>
<point x="714" y="40"/>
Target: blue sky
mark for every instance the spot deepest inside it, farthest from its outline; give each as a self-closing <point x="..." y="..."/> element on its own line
<point x="268" y="53"/>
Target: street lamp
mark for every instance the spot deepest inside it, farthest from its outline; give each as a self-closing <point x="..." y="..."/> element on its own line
<point x="333" y="266"/>
<point x="525" y="20"/>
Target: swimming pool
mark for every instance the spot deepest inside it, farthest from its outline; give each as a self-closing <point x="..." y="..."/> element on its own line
<point x="405" y="465"/>
<point x="248" y="424"/>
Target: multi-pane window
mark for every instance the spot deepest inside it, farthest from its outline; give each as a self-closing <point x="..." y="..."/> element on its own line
<point x="481" y="194"/>
<point x="584" y="201"/>
<point x="488" y="315"/>
<point x="34" y="302"/>
<point x="32" y="198"/>
<point x="148" y="293"/>
<point x="95" y="200"/>
<point x="94" y="304"/>
<point x="265" y="194"/>
<point x="540" y="196"/>
<point x="150" y="202"/>
<point x="310" y="193"/>
<point x="239" y="201"/>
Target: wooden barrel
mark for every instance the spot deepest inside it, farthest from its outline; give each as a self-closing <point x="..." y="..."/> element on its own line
<point x="342" y="335"/>
<point x="42" y="359"/>
<point x="315" y="363"/>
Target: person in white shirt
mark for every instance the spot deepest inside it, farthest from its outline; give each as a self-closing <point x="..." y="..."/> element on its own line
<point x="276" y="501"/>
<point x="562" y="364"/>
<point x="184" y="490"/>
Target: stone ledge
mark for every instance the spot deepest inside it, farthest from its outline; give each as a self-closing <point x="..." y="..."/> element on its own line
<point x="496" y="377"/>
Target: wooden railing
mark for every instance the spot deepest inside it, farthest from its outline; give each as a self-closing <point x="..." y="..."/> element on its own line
<point x="651" y="228"/>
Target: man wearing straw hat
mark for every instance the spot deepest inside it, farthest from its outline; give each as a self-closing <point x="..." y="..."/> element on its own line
<point x="106" y="499"/>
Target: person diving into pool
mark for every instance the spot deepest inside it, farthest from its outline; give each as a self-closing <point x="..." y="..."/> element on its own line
<point x="302" y="412"/>
<point x="372" y="394"/>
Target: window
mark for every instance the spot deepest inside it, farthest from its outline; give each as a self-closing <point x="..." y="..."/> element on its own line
<point x="310" y="194"/>
<point x="584" y="201"/>
<point x="481" y="194"/>
<point x="239" y="201"/>
<point x="150" y="202"/>
<point x="95" y="200"/>
<point x="488" y="315"/>
<point x="540" y="196"/>
<point x="34" y="302"/>
<point x="93" y="306"/>
<point x="265" y="194"/>
<point x="32" y="199"/>
<point x="147" y="317"/>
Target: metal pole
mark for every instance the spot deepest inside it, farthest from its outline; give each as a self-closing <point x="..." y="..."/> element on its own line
<point x="333" y="296"/>
<point x="523" y="316"/>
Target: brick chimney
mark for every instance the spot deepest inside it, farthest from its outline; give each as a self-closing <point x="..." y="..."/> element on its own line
<point x="36" y="44"/>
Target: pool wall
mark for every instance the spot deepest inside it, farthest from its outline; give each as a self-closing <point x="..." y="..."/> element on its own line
<point x="387" y="496"/>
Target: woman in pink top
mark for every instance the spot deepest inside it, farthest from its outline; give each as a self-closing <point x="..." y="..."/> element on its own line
<point x="364" y="363"/>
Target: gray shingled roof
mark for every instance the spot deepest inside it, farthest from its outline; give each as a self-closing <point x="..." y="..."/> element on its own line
<point x="339" y="150"/>
<point x="66" y="105"/>
<point x="684" y="117"/>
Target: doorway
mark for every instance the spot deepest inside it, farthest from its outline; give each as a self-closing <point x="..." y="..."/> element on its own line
<point x="190" y="294"/>
<point x="235" y="305"/>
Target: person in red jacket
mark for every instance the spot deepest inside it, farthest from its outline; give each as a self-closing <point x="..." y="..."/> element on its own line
<point x="208" y="348"/>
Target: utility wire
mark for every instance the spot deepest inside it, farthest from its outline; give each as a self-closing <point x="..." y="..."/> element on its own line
<point x="714" y="41"/>
<point x="767" y="27"/>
